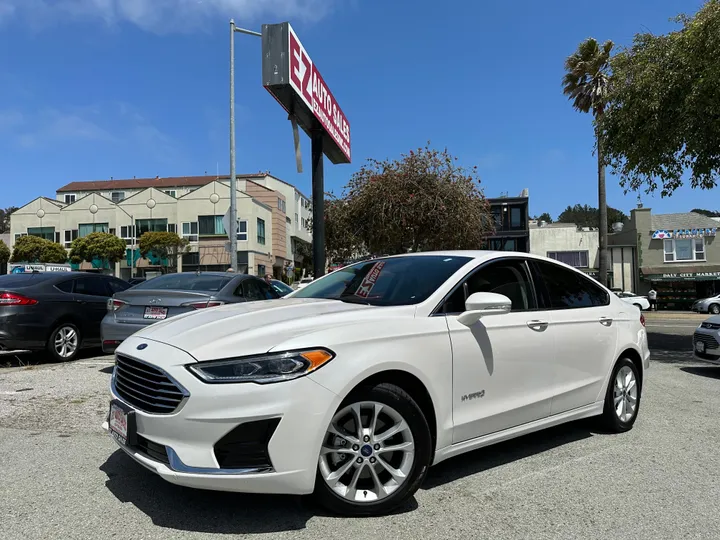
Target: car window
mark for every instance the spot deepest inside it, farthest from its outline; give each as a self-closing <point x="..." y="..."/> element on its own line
<point x="507" y="277"/>
<point x="91" y="287"/>
<point x="268" y="292"/>
<point x="251" y="290"/>
<point x="185" y="281"/>
<point x="567" y="289"/>
<point x="118" y="285"/>
<point x="395" y="281"/>
<point x="65" y="286"/>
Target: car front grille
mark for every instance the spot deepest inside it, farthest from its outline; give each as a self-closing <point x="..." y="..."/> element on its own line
<point x="709" y="341"/>
<point x="145" y="387"/>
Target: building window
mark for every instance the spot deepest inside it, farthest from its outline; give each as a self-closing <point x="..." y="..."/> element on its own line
<point x="70" y="236"/>
<point x="684" y="249"/>
<point x="19" y="236"/>
<point x="151" y="225"/>
<point x="261" y="231"/>
<point x="87" y="228"/>
<point x="69" y="199"/>
<point x="242" y="235"/>
<point x="117" y="196"/>
<point x="191" y="259"/>
<point x="171" y="192"/>
<point x="281" y="206"/>
<point x="578" y="259"/>
<point x="57" y="237"/>
<point x="127" y="232"/>
<point x="172" y="227"/>
<point x="211" y="226"/>
<point x="516" y="220"/>
<point x="261" y="270"/>
<point x="48" y="233"/>
<point x="190" y="231"/>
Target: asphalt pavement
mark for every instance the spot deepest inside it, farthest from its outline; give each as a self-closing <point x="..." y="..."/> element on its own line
<point x="61" y="476"/>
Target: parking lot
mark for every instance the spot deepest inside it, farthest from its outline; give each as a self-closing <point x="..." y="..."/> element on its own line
<point x="62" y="477"/>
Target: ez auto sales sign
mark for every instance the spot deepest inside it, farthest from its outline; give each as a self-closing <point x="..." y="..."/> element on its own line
<point x="286" y="63"/>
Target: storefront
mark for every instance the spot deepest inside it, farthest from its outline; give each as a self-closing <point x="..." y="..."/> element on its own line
<point x="679" y="289"/>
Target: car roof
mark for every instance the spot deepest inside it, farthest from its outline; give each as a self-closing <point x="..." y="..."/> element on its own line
<point x="477" y="254"/>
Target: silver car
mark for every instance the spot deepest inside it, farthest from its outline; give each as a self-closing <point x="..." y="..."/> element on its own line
<point x="708" y="305"/>
<point x="169" y="295"/>
<point x="706" y="340"/>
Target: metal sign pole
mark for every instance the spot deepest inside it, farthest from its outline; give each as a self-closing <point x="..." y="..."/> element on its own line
<point x="233" y="179"/>
<point x="318" y="197"/>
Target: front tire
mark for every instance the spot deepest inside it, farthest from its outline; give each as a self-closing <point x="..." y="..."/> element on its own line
<point x="375" y="453"/>
<point x="64" y="343"/>
<point x="622" y="399"/>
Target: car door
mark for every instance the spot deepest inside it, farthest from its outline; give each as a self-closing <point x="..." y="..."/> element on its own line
<point x="251" y="290"/>
<point x="91" y="294"/>
<point x="585" y="329"/>
<point x="502" y="365"/>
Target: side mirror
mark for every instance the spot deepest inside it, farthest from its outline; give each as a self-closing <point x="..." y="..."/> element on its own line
<point x="482" y="304"/>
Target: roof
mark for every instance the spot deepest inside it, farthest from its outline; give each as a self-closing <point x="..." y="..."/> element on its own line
<point x="555" y="225"/>
<point x="686" y="220"/>
<point x="157" y="182"/>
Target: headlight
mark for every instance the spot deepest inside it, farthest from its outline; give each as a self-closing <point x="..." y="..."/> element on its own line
<point x="266" y="368"/>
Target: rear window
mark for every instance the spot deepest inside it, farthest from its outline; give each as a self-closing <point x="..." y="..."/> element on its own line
<point x="24" y="280"/>
<point x="184" y="282"/>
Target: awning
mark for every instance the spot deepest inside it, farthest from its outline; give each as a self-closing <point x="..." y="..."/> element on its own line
<point x="683" y="272"/>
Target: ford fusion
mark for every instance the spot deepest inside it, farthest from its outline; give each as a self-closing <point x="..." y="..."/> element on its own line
<point x="353" y="386"/>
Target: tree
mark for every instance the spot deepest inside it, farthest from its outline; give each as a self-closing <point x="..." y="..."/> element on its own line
<point x="588" y="216"/>
<point x="423" y="201"/>
<point x="95" y="246"/>
<point x="586" y="84"/>
<point x="164" y="245"/>
<point x="33" y="249"/>
<point x="546" y="217"/>
<point x="663" y="113"/>
<point x="5" y="218"/>
<point x="4" y="253"/>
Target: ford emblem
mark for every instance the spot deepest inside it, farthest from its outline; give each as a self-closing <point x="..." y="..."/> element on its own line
<point x="142" y="346"/>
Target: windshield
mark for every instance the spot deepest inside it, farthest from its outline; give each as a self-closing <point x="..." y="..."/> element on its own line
<point x="185" y="282"/>
<point x="396" y="281"/>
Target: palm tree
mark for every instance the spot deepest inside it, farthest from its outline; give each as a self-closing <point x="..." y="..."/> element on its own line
<point x="587" y="74"/>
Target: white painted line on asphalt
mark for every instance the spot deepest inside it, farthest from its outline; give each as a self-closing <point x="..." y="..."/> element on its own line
<point x="98" y="363"/>
<point x="671" y="325"/>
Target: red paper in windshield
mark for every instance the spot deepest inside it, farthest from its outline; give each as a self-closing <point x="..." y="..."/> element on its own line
<point x="368" y="282"/>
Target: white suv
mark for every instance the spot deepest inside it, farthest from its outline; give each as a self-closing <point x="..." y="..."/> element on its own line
<point x="352" y="387"/>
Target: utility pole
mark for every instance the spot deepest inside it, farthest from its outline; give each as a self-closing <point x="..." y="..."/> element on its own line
<point x="233" y="179"/>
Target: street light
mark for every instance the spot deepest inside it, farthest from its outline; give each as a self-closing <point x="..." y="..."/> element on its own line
<point x="233" y="180"/>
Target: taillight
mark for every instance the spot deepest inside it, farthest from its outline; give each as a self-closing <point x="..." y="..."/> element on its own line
<point x="12" y="299"/>
<point x="201" y="305"/>
<point x="114" y="304"/>
<point x="642" y="319"/>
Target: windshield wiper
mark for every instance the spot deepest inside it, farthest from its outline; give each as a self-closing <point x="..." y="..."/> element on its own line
<point x="351" y="300"/>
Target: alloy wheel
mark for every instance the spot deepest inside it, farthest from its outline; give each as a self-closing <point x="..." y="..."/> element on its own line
<point x="66" y="342"/>
<point x="367" y="453"/>
<point x="625" y="394"/>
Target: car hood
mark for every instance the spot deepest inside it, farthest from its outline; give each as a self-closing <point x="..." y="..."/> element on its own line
<point x="256" y="327"/>
<point x="715" y="319"/>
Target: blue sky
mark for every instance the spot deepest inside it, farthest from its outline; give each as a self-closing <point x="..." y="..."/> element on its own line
<point x="93" y="89"/>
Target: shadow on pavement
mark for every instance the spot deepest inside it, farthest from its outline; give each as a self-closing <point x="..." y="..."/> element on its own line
<point x="194" y="510"/>
<point x="41" y="358"/>
<point x="711" y="372"/>
<point x="503" y="453"/>
<point x="108" y="369"/>
<point x="660" y="341"/>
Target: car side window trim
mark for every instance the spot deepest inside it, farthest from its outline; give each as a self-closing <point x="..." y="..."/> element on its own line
<point x="438" y="310"/>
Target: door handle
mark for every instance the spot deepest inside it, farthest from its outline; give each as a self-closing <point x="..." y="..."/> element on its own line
<point x="538" y="326"/>
<point x="606" y="321"/>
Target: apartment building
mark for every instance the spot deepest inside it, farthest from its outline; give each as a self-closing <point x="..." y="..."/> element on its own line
<point x="192" y="207"/>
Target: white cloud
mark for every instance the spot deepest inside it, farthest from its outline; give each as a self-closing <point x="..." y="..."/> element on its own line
<point x="163" y="16"/>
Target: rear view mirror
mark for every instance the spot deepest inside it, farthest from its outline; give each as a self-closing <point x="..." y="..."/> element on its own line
<point x="483" y="304"/>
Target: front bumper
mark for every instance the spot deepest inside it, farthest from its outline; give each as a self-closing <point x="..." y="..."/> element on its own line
<point x="710" y="339"/>
<point x="210" y="412"/>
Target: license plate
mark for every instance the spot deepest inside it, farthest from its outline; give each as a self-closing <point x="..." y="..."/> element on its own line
<point x="700" y="347"/>
<point x="118" y="423"/>
<point x="156" y="313"/>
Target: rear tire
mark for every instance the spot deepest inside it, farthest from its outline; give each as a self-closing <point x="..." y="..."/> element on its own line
<point x="622" y="399"/>
<point x="361" y="470"/>
<point x="64" y="343"/>
<point x="714" y="309"/>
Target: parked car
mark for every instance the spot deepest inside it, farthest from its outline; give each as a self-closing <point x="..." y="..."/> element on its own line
<point x="352" y="387"/>
<point x="281" y="288"/>
<point x="169" y="295"/>
<point x="706" y="340"/>
<point x="640" y="302"/>
<point x="136" y="280"/>
<point x="708" y="305"/>
<point x="57" y="311"/>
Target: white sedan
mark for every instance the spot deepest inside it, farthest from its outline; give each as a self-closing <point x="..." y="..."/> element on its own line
<point x="640" y="302"/>
<point x="352" y="387"/>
